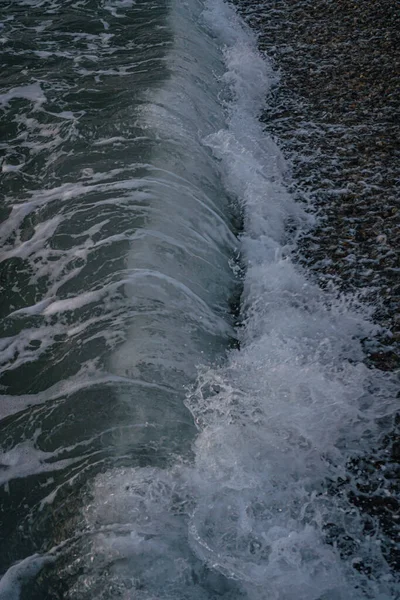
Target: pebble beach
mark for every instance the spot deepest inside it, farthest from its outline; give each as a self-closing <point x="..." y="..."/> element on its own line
<point x="335" y="115"/>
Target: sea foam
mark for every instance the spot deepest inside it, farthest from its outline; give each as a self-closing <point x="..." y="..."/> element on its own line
<point x="252" y="514"/>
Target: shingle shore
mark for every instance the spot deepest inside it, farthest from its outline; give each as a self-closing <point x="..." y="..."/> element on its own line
<point x="335" y="114"/>
<point x="337" y="104"/>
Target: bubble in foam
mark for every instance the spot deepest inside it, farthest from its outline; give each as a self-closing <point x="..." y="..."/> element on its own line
<point x="19" y="574"/>
<point x="138" y="547"/>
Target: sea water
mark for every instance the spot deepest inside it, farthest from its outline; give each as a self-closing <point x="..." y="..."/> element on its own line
<point x="156" y="443"/>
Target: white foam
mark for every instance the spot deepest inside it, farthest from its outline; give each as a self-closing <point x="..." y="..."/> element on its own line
<point x="113" y="5"/>
<point x="295" y="402"/>
<point x="25" y="459"/>
<point x="87" y="377"/>
<point x="276" y="424"/>
<point x="246" y="517"/>
<point x="32" y="92"/>
<point x="20" y="573"/>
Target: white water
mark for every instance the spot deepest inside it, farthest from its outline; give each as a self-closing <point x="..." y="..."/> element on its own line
<point x="276" y="423"/>
<point x="247" y="517"/>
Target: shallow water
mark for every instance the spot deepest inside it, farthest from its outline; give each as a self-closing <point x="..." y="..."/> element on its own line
<point x="146" y="455"/>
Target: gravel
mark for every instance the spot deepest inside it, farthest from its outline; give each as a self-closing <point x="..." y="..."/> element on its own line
<point x="335" y="115"/>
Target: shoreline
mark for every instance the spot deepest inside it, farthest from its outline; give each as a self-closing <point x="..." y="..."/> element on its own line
<point x="334" y="115"/>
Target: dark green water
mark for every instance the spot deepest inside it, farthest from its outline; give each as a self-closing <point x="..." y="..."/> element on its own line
<point x="101" y="240"/>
